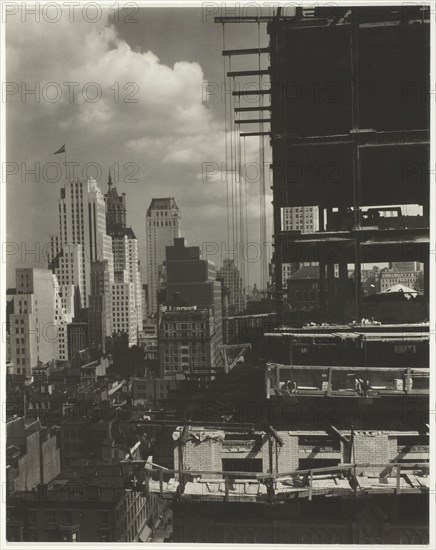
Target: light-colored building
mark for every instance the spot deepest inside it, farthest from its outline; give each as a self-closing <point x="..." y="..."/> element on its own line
<point x="147" y="340"/>
<point x="162" y="227"/>
<point x="124" y="318"/>
<point x="82" y="221"/>
<point x="33" y="331"/>
<point x="298" y="218"/>
<point x="33" y="454"/>
<point x="127" y="286"/>
<point x="410" y="279"/>
<point x="144" y="295"/>
<point x="406" y="266"/>
<point x="189" y="342"/>
<point x="64" y="314"/>
<point x="230" y="275"/>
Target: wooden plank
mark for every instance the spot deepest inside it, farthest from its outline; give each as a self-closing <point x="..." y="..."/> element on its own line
<point x="398" y="478"/>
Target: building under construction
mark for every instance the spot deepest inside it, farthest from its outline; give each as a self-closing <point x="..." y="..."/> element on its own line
<point x="350" y="133"/>
<point x="344" y="458"/>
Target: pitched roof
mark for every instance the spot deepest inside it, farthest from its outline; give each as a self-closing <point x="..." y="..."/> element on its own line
<point x="306" y="272"/>
<point x="165" y="203"/>
<point x="118" y="229"/>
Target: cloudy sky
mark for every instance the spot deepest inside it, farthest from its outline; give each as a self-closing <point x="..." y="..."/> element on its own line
<point x="162" y="59"/>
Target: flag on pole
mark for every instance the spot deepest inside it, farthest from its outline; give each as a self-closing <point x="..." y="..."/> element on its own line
<point x="61" y="150"/>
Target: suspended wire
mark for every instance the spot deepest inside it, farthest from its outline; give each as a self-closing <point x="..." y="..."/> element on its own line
<point x="241" y="209"/>
<point x="246" y="214"/>
<point x="232" y="172"/>
<point x="234" y="175"/>
<point x="262" y="206"/>
<point x="226" y="144"/>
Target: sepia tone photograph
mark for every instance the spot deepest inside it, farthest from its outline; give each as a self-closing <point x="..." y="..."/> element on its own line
<point x="216" y="273"/>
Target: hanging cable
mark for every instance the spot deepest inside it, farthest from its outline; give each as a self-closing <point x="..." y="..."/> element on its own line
<point x="246" y="215"/>
<point x="235" y="174"/>
<point x="226" y="144"/>
<point x="242" y="210"/>
<point x="262" y="206"/>
<point x="232" y="172"/>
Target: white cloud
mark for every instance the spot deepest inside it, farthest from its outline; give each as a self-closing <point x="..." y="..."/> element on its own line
<point x="169" y="132"/>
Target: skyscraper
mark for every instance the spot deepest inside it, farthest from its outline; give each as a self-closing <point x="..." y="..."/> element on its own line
<point x="82" y="221"/>
<point x="126" y="300"/>
<point x="231" y="278"/>
<point x="162" y="227"/>
<point x="100" y="306"/>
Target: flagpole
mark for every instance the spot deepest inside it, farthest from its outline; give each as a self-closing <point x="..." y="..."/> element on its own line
<point x="65" y="153"/>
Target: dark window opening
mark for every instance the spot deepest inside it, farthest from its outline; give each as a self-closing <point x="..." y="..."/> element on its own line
<point x="242" y="465"/>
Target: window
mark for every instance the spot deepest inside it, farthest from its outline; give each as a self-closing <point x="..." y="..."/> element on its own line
<point x="242" y="464"/>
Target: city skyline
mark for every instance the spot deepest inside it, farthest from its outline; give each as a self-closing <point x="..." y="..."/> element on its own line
<point x="163" y="139"/>
<point x="160" y="385"/>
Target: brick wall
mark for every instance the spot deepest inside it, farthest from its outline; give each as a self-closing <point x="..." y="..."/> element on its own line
<point x="372" y="448"/>
<point x="393" y="448"/>
<point x="200" y="455"/>
<point x="288" y="453"/>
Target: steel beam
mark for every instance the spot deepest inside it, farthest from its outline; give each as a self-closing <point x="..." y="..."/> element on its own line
<point x="246" y="51"/>
<point x="251" y="109"/>
<point x="244" y="19"/>
<point x="249" y="73"/>
<point x="250" y="134"/>
<point x="251" y="92"/>
<point x="253" y="121"/>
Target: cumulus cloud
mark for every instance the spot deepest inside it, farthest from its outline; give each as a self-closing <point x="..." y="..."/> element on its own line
<point x="149" y="113"/>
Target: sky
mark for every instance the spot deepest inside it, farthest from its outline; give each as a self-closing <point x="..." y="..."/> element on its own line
<point x="155" y="120"/>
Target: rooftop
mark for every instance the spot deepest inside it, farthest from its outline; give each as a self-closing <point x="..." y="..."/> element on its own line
<point x="167" y="203"/>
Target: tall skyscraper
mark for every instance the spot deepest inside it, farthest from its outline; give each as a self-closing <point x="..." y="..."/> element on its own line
<point x="82" y="221"/>
<point x="116" y="212"/>
<point x="127" y="286"/>
<point x="32" y="325"/>
<point x="162" y="227"/>
<point x="100" y="306"/>
<point x="231" y="278"/>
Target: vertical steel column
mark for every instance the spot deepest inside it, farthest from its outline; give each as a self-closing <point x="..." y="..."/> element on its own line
<point x="354" y="29"/>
